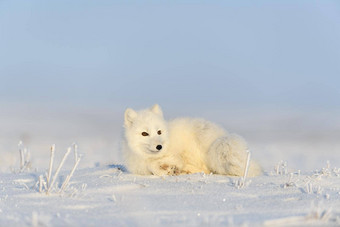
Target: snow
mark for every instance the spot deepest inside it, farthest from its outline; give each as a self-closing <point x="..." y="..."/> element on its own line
<point x="304" y="189"/>
<point x="105" y="195"/>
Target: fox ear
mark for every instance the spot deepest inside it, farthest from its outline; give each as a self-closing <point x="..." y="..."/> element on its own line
<point x="129" y="116"/>
<point x="157" y="110"/>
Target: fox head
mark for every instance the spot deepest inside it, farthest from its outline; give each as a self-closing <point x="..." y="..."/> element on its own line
<point x="146" y="131"/>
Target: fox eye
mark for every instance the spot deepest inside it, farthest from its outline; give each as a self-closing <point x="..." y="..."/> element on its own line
<point x="159" y="132"/>
<point x="145" y="134"/>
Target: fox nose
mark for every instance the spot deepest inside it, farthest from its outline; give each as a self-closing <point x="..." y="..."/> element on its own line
<point x="159" y="147"/>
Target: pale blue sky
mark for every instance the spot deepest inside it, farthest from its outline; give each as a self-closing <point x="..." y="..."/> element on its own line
<point x="129" y="53"/>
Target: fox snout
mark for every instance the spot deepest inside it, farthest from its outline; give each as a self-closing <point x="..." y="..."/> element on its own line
<point x="159" y="147"/>
<point x="156" y="148"/>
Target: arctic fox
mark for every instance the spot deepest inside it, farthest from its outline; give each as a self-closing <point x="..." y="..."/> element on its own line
<point x="181" y="146"/>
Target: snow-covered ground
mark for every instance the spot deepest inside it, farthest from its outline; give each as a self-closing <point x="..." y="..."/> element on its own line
<point x="299" y="187"/>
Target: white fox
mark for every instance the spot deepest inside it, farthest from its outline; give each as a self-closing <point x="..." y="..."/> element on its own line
<point x="181" y="146"/>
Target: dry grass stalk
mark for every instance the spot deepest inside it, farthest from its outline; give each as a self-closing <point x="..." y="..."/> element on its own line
<point x="67" y="180"/>
<point x="58" y="169"/>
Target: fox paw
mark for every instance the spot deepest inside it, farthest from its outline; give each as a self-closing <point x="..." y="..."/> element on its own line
<point x="170" y="169"/>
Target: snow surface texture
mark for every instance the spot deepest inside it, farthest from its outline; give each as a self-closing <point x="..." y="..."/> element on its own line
<point x="303" y="190"/>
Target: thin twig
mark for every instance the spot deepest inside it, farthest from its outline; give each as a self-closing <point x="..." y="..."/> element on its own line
<point x="246" y="168"/>
<point x="75" y="149"/>
<point x="58" y="169"/>
<point x="64" y="185"/>
<point x="22" y="158"/>
<point x="40" y="183"/>
<point x="51" y="165"/>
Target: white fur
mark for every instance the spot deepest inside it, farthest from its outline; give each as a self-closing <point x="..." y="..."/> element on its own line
<point x="188" y="146"/>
